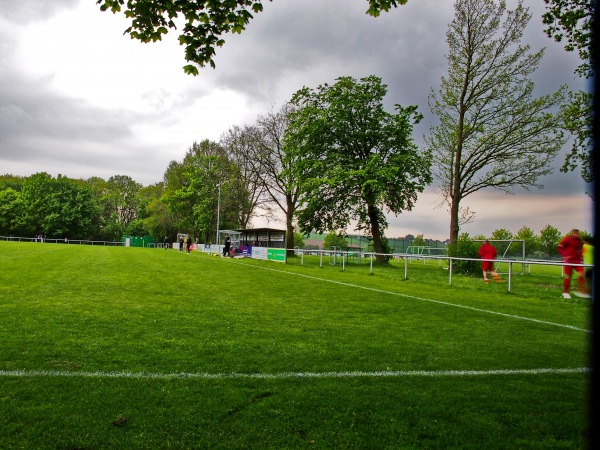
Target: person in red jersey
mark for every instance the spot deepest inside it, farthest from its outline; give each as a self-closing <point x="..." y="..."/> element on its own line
<point x="570" y="249"/>
<point x="487" y="251"/>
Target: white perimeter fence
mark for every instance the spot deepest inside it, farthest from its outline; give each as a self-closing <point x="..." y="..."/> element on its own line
<point x="347" y="257"/>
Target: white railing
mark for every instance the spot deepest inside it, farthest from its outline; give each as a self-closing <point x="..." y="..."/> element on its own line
<point x="347" y="256"/>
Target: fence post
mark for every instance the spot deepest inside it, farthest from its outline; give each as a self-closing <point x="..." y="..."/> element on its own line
<point x="371" y="271"/>
<point x="406" y="267"/>
<point x="509" y="275"/>
<point x="321" y="259"/>
<point x="450" y="270"/>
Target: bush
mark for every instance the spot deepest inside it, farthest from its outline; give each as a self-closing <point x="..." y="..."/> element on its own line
<point x="465" y="248"/>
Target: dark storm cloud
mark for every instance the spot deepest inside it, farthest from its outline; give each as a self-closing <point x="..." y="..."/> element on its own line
<point x="310" y="42"/>
<point x="313" y="42"/>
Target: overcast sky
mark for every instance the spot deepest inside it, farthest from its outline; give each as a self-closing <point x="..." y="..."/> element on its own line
<point x="79" y="98"/>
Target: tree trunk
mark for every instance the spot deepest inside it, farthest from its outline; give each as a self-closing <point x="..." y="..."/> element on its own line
<point x="454" y="224"/>
<point x="376" y="233"/>
<point x="289" y="226"/>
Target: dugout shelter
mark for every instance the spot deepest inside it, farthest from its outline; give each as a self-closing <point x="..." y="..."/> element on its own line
<point x="262" y="237"/>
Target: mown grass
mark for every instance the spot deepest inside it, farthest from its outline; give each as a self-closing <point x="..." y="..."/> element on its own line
<point x="105" y="312"/>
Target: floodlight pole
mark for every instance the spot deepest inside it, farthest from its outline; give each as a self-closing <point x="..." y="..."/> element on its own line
<point x="218" y="211"/>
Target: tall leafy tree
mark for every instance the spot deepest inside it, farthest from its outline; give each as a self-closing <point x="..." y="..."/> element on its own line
<point x="492" y="131"/>
<point x="153" y="214"/>
<point x="159" y="221"/>
<point x="10" y="208"/>
<point x="71" y="211"/>
<point x="333" y="239"/>
<point x="36" y="206"/>
<point x="504" y="248"/>
<point x="123" y="198"/>
<point x="501" y="234"/>
<point x="358" y="161"/>
<point x="57" y="208"/>
<point x="571" y="22"/>
<point x="10" y="204"/>
<point x="549" y="239"/>
<point x="531" y="241"/>
<point x="419" y="241"/>
<point x="273" y="162"/>
<point x="11" y="181"/>
<point x="119" y="203"/>
<point x="240" y="144"/>
<point x="204" y="22"/>
<point x="201" y="190"/>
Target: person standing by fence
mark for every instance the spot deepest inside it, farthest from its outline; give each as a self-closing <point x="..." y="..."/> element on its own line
<point x="488" y="251"/>
<point x="227" y="245"/>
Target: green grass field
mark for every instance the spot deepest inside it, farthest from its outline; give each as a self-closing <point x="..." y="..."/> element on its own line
<point x="109" y="347"/>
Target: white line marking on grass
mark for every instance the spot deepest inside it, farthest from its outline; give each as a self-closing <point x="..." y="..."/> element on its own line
<point x="487" y="311"/>
<point x="288" y="375"/>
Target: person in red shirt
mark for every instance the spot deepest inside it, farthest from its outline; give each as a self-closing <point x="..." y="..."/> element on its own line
<point x="487" y="251"/>
<point x="570" y="249"/>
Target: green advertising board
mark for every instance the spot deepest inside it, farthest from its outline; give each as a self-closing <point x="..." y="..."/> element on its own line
<point x="138" y="241"/>
<point x="276" y="254"/>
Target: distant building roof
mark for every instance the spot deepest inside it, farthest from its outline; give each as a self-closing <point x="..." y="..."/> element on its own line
<point x="261" y="230"/>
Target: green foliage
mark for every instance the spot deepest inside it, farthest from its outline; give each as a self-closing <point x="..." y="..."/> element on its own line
<point x="10" y="208"/>
<point x="202" y="187"/>
<point x="387" y="248"/>
<point x="357" y="160"/>
<point x="501" y="234"/>
<point x="56" y="208"/>
<point x="531" y="241"/>
<point x="136" y="227"/>
<point x="205" y="21"/>
<point x="549" y="239"/>
<point x="464" y="247"/>
<point x="571" y="21"/>
<point x="419" y="241"/>
<point x="576" y="119"/>
<point x="505" y="248"/>
<point x="298" y="239"/>
<point x="159" y="221"/>
<point x="120" y="203"/>
<point x="11" y="181"/>
<point x="333" y="239"/>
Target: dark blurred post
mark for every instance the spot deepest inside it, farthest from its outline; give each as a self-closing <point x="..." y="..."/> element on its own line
<point x="594" y="405"/>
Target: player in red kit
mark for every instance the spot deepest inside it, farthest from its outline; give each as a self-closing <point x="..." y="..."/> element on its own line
<point x="570" y="249"/>
<point x="487" y="251"/>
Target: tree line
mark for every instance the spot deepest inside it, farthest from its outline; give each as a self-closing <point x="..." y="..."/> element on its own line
<point x="97" y="209"/>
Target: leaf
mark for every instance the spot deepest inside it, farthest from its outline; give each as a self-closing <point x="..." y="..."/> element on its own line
<point x="120" y="422"/>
